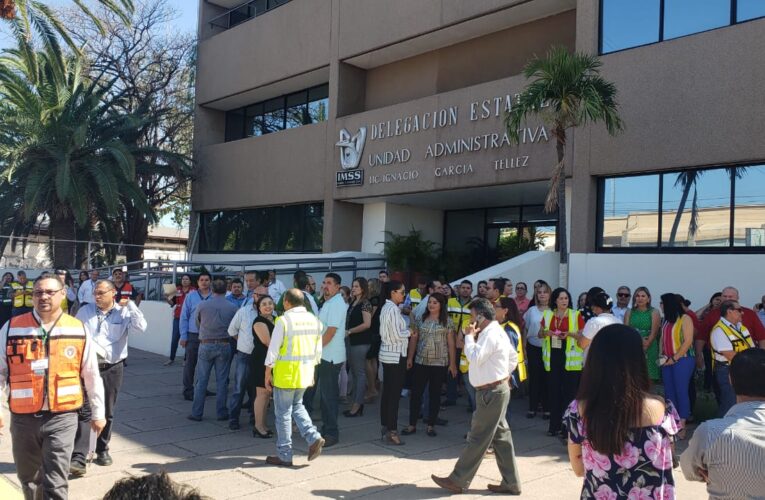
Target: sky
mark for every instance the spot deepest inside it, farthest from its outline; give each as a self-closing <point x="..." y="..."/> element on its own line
<point x="185" y="9"/>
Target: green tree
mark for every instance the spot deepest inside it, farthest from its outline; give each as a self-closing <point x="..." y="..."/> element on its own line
<point x="62" y="148"/>
<point x="566" y="91"/>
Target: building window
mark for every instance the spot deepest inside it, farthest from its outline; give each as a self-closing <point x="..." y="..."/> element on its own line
<point x="703" y="209"/>
<point x="631" y="23"/>
<point x="245" y="12"/>
<point x="290" y="228"/>
<point x="283" y="112"/>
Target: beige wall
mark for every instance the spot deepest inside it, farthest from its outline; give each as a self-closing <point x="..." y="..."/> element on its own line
<point x="262" y="171"/>
<point x="484" y="59"/>
<point x="287" y="41"/>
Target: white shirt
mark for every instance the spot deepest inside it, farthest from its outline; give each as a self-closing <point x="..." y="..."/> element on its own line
<point x="110" y="331"/>
<point x="85" y="293"/>
<point x="732" y="450"/>
<point x="492" y="357"/>
<point x="241" y="328"/>
<point x="619" y="312"/>
<point x="394" y="334"/>
<point x="276" y="289"/>
<point x="533" y="321"/>
<point x="721" y="342"/>
<point x="592" y="327"/>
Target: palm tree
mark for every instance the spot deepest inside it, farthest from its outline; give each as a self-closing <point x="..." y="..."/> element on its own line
<point x="61" y="146"/>
<point x="566" y="91"/>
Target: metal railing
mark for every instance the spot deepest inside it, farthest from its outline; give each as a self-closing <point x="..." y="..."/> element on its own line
<point x="153" y="274"/>
<point x="245" y="12"/>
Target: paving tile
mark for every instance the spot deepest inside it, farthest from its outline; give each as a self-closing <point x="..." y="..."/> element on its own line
<point x="228" y="484"/>
<point x="93" y="487"/>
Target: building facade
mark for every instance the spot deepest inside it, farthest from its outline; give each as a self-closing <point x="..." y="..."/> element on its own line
<point x="321" y="124"/>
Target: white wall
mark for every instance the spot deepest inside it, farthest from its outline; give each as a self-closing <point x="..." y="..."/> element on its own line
<point x="528" y="268"/>
<point x="696" y="277"/>
<point x="157" y="337"/>
<point x="399" y="219"/>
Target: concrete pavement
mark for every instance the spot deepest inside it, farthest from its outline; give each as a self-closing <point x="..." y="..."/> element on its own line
<point x="152" y="433"/>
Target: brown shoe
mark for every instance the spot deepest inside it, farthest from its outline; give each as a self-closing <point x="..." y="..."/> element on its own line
<point x="498" y="488"/>
<point x="446" y="484"/>
<point x="315" y="449"/>
<point x="270" y="460"/>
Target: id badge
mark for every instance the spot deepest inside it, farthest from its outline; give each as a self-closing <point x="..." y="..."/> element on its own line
<point x="39" y="365"/>
<point x="556" y="343"/>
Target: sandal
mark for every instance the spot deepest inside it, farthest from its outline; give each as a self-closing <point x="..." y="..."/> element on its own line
<point x="392" y="438"/>
<point x="431" y="432"/>
<point x="262" y="435"/>
<point x="407" y="431"/>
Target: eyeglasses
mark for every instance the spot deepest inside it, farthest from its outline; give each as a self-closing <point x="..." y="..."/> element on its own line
<point x="49" y="293"/>
<point x="520" y="288"/>
<point x="623" y="294"/>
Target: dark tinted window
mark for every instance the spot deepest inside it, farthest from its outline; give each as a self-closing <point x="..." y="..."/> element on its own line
<point x="629" y="23"/>
<point x="291" y="228"/>
<point x="235" y="125"/>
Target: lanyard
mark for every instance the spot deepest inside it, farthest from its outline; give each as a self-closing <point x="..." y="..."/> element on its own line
<point x="101" y="317"/>
<point x="45" y="333"/>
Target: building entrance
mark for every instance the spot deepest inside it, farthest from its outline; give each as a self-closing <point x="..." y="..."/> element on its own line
<point x="478" y="238"/>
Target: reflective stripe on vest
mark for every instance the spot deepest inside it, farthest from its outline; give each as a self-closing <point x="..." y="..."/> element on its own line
<point x="25" y="299"/>
<point x="574" y="355"/>
<point x="459" y="313"/>
<point x="415" y="297"/>
<point x="519" y="349"/>
<point x="27" y="374"/>
<point x="294" y="368"/>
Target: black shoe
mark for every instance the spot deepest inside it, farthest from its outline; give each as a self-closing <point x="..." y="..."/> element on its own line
<point x="77" y="470"/>
<point x="195" y="419"/>
<point x="222" y="418"/>
<point x="257" y="434"/>
<point x="441" y="421"/>
<point x="531" y="414"/>
<point x="103" y="458"/>
<point x="233" y="426"/>
<point x="330" y="441"/>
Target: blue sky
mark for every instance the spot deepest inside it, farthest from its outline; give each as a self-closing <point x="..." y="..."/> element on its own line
<point x="185" y="9"/>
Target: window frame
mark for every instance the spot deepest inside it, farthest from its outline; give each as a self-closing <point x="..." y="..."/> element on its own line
<point x="662" y="4"/>
<point x="731" y="248"/>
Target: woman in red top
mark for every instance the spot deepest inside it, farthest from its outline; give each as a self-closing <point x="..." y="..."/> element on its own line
<point x="176" y="301"/>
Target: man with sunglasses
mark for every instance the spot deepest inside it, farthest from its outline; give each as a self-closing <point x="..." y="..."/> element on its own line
<point x="728" y="338"/>
<point x="46" y="359"/>
<point x="623" y="296"/>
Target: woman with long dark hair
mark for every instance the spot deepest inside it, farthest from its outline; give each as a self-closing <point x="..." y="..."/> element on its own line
<point x="394" y="336"/>
<point x="359" y="336"/>
<point x="509" y="318"/>
<point x="619" y="434"/>
<point x="431" y="352"/>
<point x="562" y="357"/>
<point x="677" y="355"/>
<point x="376" y="301"/>
<point x="262" y="328"/>
<point x="532" y="345"/>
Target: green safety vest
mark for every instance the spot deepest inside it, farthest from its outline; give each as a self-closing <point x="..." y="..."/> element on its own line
<point x="294" y="368"/>
<point x="574" y="355"/>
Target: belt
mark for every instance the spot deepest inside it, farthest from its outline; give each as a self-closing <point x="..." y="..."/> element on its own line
<point x="106" y="366"/>
<point x="491" y="385"/>
<point x="214" y="341"/>
<point x="721" y="363"/>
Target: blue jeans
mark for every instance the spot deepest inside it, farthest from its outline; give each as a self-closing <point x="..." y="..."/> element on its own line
<point x="676" y="378"/>
<point x="175" y="339"/>
<point x="288" y="405"/>
<point x="727" y="395"/>
<point x="242" y="385"/>
<point x="211" y="355"/>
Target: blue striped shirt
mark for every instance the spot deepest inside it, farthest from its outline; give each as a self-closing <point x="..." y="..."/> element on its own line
<point x="732" y="451"/>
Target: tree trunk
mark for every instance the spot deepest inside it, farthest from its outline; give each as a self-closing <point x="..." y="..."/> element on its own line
<point x="62" y="232"/>
<point x="562" y="240"/>
<point x="136" y="233"/>
<point x="680" y="210"/>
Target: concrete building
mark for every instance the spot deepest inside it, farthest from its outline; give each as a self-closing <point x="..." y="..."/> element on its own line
<point x="320" y="124"/>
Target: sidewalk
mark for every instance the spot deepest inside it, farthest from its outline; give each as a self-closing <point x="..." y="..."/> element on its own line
<point x="152" y="433"/>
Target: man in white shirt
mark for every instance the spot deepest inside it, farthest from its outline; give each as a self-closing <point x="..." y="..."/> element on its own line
<point x="240" y="329"/>
<point x="728" y="453"/>
<point x="623" y="296"/>
<point x="275" y="287"/>
<point x="492" y="360"/>
<point x="85" y="292"/>
<point x="601" y="308"/>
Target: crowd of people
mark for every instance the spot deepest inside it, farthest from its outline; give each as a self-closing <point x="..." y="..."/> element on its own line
<point x="589" y="368"/>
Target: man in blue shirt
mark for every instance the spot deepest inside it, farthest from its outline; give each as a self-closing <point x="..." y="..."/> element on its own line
<point x="237" y="297"/>
<point x="190" y="331"/>
<point x="332" y="316"/>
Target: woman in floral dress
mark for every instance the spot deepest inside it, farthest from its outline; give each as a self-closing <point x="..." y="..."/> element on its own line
<point x="620" y="436"/>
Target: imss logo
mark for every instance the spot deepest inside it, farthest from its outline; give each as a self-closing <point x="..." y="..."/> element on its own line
<point x="351" y="149"/>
